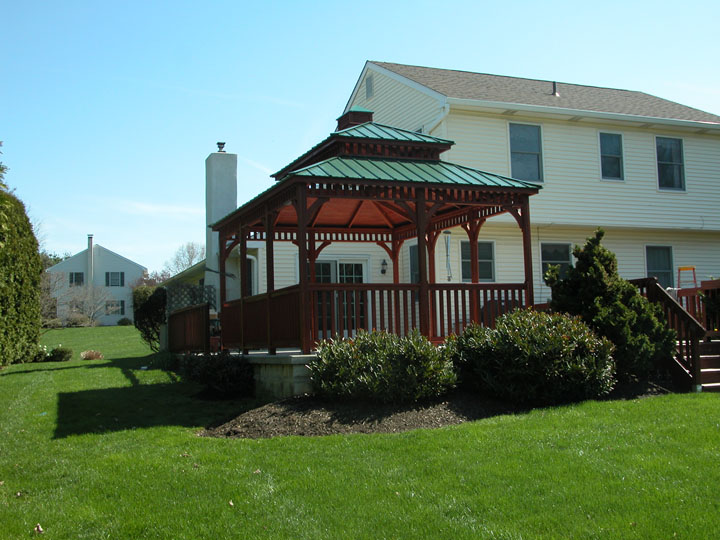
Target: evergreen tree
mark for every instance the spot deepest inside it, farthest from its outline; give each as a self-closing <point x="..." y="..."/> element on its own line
<point x="614" y="308"/>
<point x="20" y="269"/>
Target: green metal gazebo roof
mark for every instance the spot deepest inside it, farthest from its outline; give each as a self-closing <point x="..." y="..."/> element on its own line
<point x="372" y="130"/>
<point x="402" y="170"/>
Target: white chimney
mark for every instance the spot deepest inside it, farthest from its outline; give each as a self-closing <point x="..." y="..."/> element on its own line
<point x="90" y="261"/>
<point x="220" y="200"/>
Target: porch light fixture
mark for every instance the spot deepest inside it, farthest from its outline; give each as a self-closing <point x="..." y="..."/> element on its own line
<point x="383" y="267"/>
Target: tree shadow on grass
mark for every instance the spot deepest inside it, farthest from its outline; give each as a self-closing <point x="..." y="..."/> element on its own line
<point x="171" y="403"/>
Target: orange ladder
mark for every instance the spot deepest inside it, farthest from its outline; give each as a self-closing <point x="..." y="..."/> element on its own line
<point x="686" y="269"/>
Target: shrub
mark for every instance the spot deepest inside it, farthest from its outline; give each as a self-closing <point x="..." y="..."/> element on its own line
<point x="52" y="323"/>
<point x="536" y="358"/>
<point x="124" y="322"/>
<point x="20" y="270"/>
<point x="223" y="374"/>
<point x="149" y="313"/>
<point x="613" y="308"/>
<point x="381" y="367"/>
<point x="77" y="320"/>
<point x="91" y="355"/>
<point x="59" y="354"/>
<point x="39" y="355"/>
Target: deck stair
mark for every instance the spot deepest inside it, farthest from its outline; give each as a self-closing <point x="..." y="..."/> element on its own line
<point x="710" y="366"/>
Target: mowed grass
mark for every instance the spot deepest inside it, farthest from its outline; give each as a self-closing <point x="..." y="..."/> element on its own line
<point x="106" y="449"/>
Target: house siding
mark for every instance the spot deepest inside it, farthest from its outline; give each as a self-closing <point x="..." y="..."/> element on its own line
<point x="573" y="191"/>
<point x="397" y="104"/>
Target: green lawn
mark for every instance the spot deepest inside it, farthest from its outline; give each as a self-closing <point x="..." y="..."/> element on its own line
<point x="106" y="449"/>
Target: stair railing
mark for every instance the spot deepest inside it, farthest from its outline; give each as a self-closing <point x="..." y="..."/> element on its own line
<point x="689" y="331"/>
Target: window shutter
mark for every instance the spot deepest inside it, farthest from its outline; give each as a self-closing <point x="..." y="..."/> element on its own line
<point x="70" y="278"/>
<point x="107" y="279"/>
<point x="122" y="307"/>
<point x="122" y="279"/>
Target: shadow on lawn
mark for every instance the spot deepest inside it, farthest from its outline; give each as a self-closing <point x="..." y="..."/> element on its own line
<point x="172" y="403"/>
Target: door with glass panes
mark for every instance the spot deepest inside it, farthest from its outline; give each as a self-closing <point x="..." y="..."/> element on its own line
<point x="347" y="305"/>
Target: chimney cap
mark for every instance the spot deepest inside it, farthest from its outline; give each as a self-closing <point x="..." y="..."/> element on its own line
<point x="221" y="146"/>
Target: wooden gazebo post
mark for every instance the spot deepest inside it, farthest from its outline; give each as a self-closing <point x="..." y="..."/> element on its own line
<point x="421" y="221"/>
<point x="269" y="219"/>
<point x="243" y="284"/>
<point x="302" y="240"/>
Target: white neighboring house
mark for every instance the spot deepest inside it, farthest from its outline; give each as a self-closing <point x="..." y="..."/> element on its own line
<point x="110" y="275"/>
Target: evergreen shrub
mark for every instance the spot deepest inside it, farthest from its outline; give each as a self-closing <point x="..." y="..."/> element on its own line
<point x="223" y="374"/>
<point x="59" y="354"/>
<point x="20" y="270"/>
<point x="383" y="367"/>
<point x="536" y="358"/>
<point x="124" y="322"/>
<point x="149" y="313"/>
<point x="613" y="308"/>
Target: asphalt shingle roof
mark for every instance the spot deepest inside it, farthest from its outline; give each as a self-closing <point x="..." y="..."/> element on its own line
<point x="485" y="87"/>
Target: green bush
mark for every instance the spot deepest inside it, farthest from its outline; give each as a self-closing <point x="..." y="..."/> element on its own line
<point x="20" y="270"/>
<point x="77" y="320"/>
<point x="149" y="313"/>
<point x="613" y="308"/>
<point x="52" y="323"/>
<point x="381" y="367"/>
<point x="224" y="375"/>
<point x="124" y="322"/>
<point x="59" y="354"/>
<point x="536" y="358"/>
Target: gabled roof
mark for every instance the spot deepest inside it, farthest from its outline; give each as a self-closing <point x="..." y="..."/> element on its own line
<point x="516" y="90"/>
<point x="397" y="170"/>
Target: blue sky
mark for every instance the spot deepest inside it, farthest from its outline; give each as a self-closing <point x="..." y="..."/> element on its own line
<point x="108" y="109"/>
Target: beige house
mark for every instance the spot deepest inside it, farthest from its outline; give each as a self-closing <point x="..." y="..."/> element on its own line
<point x="645" y="169"/>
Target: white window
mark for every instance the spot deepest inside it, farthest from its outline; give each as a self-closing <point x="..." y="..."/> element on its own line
<point x="115" y="307"/>
<point x="369" y="89"/>
<point x="659" y="264"/>
<point x="556" y="255"/>
<point x="114" y="279"/>
<point x="526" y="152"/>
<point x="611" y="156"/>
<point x="414" y="264"/>
<point x="486" y="261"/>
<point x="671" y="171"/>
<point x="77" y="279"/>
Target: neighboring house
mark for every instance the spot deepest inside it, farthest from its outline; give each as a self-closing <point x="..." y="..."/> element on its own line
<point x="645" y="169"/>
<point x="95" y="282"/>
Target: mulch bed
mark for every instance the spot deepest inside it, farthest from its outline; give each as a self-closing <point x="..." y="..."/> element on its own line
<point x="311" y="416"/>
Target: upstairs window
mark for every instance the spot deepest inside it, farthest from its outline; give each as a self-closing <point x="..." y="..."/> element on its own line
<point x="611" y="160"/>
<point x="77" y="279"/>
<point x="486" y="266"/>
<point x="671" y="171"/>
<point x="114" y="279"/>
<point x="556" y="255"/>
<point x="659" y="264"/>
<point x="526" y="152"/>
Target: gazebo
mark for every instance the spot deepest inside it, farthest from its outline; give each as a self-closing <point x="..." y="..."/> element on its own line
<point x="369" y="183"/>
